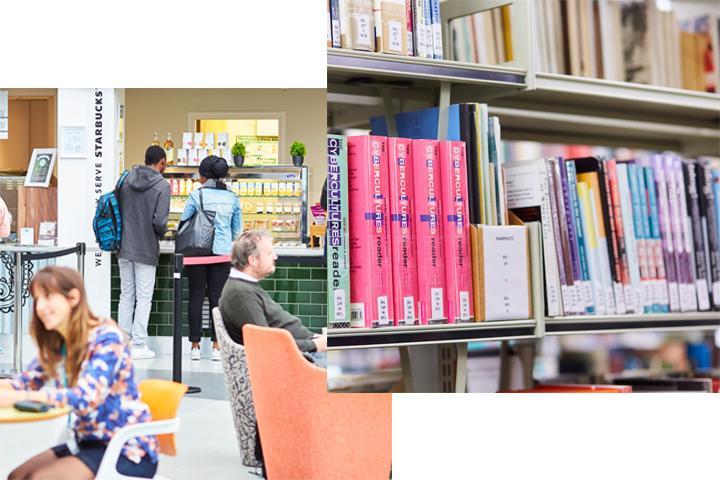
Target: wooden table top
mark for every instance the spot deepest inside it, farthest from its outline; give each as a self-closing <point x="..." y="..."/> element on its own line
<point x="11" y="415"/>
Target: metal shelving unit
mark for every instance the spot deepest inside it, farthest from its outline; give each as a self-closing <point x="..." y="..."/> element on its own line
<point x="573" y="325"/>
<point x="431" y="334"/>
<point x="531" y="106"/>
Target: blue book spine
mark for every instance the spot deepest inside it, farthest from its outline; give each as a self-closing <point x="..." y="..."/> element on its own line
<point x="639" y="232"/>
<point x="420" y="124"/>
<point x="427" y="7"/>
<point x="436" y="29"/>
<point x="572" y="236"/>
<point x="645" y="221"/>
<point x="655" y="234"/>
<point x="580" y="238"/>
<point x="335" y="22"/>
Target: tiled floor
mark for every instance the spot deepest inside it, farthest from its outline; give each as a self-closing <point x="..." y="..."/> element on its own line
<point x="207" y="448"/>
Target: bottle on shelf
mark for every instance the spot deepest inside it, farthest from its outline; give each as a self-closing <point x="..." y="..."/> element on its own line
<point x="169" y="147"/>
<point x="155" y="139"/>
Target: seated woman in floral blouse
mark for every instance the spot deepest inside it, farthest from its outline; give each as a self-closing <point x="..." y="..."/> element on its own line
<point x="84" y="363"/>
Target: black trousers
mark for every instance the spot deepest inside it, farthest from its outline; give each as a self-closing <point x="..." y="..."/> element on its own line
<point x="204" y="279"/>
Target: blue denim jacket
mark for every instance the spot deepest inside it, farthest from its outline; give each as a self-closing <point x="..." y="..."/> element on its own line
<point x="228" y="221"/>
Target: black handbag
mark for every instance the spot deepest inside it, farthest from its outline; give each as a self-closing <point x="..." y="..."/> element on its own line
<point x="195" y="235"/>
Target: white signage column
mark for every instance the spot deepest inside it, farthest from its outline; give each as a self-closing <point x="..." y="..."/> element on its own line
<point x="89" y="167"/>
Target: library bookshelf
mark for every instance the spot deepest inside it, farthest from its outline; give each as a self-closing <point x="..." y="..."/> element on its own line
<point x="531" y="105"/>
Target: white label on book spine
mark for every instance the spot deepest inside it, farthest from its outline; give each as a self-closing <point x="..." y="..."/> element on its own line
<point x="716" y="293"/>
<point x="339" y="304"/>
<point x="383" y="313"/>
<point x="336" y="33"/>
<point x="363" y="30"/>
<point x="395" y="32"/>
<point x="409" y="309"/>
<point x="692" y="297"/>
<point x="600" y="307"/>
<point x="609" y="302"/>
<point x="674" y="296"/>
<point x="619" y="298"/>
<point x="587" y="294"/>
<point x="464" y="306"/>
<point x="682" y="287"/>
<point x="639" y="300"/>
<point x="662" y="293"/>
<point x="579" y="301"/>
<point x="436" y="296"/>
<point x="629" y="299"/>
<point x="703" y="299"/>
<point x="357" y="315"/>
<point x="567" y="299"/>
<point x="648" y="290"/>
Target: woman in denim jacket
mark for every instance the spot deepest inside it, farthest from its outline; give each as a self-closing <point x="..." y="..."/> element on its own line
<point x="228" y="224"/>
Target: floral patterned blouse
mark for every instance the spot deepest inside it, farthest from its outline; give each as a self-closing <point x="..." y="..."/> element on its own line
<point x="105" y="398"/>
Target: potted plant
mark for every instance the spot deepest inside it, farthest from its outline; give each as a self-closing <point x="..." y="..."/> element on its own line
<point x="297" y="152"/>
<point x="238" y="153"/>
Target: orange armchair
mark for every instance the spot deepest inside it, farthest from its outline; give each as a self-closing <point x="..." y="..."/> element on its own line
<point x="306" y="432"/>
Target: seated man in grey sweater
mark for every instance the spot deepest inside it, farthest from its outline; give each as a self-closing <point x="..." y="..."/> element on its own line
<point x="243" y="300"/>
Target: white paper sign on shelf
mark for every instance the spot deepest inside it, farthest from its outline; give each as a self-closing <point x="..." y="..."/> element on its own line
<point x="73" y="142"/>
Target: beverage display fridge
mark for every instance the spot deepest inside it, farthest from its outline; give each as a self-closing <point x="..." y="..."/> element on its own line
<point x="273" y="198"/>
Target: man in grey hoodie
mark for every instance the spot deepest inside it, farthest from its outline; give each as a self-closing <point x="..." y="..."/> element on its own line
<point x="144" y="205"/>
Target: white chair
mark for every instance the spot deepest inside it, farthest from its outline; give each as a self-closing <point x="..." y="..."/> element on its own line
<point x="163" y="397"/>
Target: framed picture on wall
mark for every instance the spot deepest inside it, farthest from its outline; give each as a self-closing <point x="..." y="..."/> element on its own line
<point x="41" y="166"/>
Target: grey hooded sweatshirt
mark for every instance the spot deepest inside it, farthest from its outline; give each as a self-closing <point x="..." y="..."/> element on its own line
<point x="144" y="206"/>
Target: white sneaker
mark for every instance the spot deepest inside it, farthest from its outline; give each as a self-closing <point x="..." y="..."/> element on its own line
<point x="195" y="354"/>
<point x="216" y="355"/>
<point x="142" y="353"/>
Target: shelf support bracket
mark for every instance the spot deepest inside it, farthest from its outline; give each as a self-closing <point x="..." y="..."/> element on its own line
<point x="443" y="110"/>
<point x="406" y="367"/>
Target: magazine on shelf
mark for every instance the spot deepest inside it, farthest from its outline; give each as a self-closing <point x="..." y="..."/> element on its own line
<point x="371" y="290"/>
<point x="357" y="24"/>
<point x="655" y="249"/>
<point x="402" y="231"/>
<point x="456" y="232"/>
<point x="692" y="218"/>
<point x="709" y="218"/>
<point x="429" y="230"/>
<point x="666" y="232"/>
<point x="580" y="243"/>
<point x="529" y="199"/>
<point x="390" y="26"/>
<point x="337" y="240"/>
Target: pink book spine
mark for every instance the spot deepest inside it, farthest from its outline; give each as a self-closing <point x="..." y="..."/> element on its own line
<point x="428" y="226"/>
<point x="456" y="232"/>
<point x="370" y="259"/>
<point x="402" y="231"/>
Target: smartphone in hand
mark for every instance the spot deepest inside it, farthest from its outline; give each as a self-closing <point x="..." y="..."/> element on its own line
<point x="31" y="406"/>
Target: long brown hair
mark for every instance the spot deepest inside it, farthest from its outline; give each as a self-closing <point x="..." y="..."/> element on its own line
<point x="62" y="280"/>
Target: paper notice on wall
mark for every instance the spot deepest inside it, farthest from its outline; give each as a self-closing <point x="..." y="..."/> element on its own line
<point x="3" y="114"/>
<point x="73" y="142"/>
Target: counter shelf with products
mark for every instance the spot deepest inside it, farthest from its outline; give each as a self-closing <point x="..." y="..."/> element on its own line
<point x="272" y="198"/>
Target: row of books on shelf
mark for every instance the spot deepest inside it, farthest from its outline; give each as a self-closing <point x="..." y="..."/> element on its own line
<point x="413" y="27"/>
<point x="645" y="231"/>
<point x="701" y="383"/>
<point x="621" y="237"/>
<point x="401" y="27"/>
<point x="630" y="40"/>
<point x="401" y="249"/>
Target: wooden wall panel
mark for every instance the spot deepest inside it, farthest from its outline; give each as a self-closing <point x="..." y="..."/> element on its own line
<point x="36" y="205"/>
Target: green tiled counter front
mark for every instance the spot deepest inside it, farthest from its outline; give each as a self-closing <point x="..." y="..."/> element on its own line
<point x="299" y="288"/>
